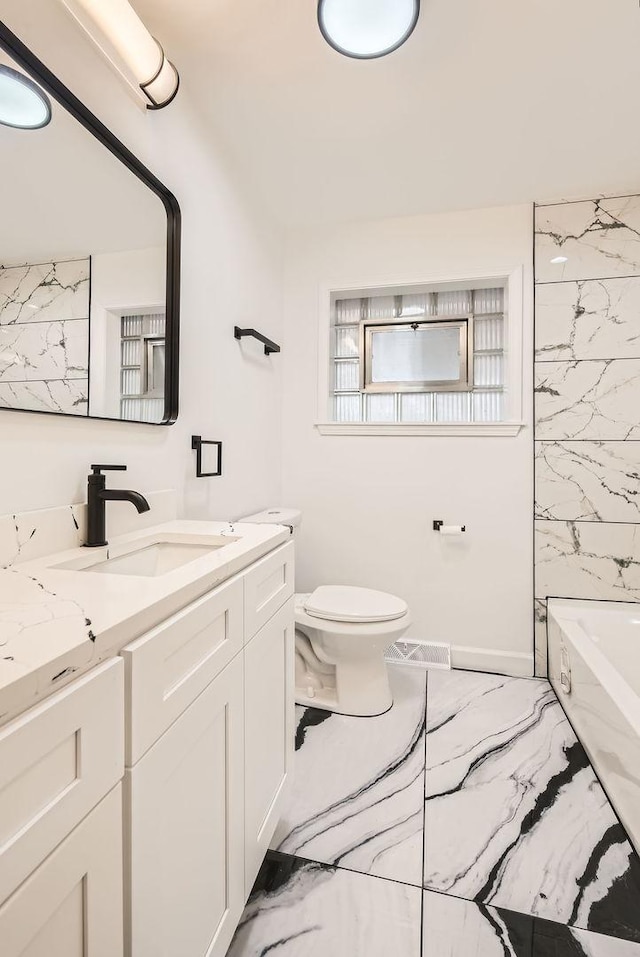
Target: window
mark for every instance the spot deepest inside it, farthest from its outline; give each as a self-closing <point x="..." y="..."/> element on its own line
<point x="142" y="367"/>
<point x="428" y="356"/>
<point x="416" y="356"/>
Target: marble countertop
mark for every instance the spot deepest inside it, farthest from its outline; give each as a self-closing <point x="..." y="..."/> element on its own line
<point x="57" y="623"/>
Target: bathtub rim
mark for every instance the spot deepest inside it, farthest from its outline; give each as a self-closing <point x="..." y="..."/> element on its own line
<point x="565" y="613"/>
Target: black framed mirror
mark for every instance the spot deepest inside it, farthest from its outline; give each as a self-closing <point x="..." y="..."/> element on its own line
<point x="89" y="266"/>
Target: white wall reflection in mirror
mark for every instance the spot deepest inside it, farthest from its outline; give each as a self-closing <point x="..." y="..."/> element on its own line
<point x="83" y="245"/>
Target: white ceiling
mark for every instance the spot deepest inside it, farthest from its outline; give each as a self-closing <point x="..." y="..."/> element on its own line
<point x="490" y="102"/>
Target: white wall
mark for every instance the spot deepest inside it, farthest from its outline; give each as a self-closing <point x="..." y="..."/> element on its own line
<point x="133" y="279"/>
<point x="369" y="502"/>
<point x="231" y="273"/>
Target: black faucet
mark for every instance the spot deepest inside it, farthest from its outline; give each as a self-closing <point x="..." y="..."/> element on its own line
<point x="97" y="497"/>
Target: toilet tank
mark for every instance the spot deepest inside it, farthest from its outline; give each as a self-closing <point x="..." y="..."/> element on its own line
<point x="276" y="516"/>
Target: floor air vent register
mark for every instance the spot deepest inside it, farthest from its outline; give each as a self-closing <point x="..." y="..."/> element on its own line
<point x="420" y="654"/>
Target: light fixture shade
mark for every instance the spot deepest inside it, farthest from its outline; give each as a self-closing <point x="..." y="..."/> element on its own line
<point x="23" y="105"/>
<point x="123" y="39"/>
<point x="366" y="29"/>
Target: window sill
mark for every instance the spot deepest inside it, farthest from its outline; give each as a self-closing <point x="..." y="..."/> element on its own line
<point x="420" y="428"/>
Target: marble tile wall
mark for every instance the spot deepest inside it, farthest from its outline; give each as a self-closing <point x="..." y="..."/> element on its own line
<point x="587" y="399"/>
<point x="44" y="336"/>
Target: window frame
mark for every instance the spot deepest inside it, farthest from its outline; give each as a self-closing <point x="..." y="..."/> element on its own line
<point x="152" y="342"/>
<point x="464" y="382"/>
<point x="513" y="279"/>
<point x="146" y="340"/>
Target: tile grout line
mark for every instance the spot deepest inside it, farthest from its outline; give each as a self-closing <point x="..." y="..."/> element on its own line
<point x="448" y="895"/>
<point x="575" y="360"/>
<point x="347" y="870"/>
<point x="587" y="200"/>
<point x="42" y="322"/>
<point x="595" y="441"/>
<point x="584" y="521"/>
<point x="424" y="814"/>
<point x="561" y="282"/>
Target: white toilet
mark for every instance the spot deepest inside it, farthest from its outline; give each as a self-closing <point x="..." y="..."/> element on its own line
<point x="341" y="636"/>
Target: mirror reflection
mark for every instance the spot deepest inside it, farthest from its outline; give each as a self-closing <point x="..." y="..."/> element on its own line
<point x="82" y="276"/>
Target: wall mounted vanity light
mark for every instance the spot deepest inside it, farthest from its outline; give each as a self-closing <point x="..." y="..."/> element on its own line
<point x="123" y="39"/>
<point x="366" y="29"/>
<point x="23" y="105"/>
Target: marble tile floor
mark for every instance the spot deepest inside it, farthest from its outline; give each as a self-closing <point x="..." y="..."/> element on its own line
<point x="465" y="821"/>
<point x="358" y="798"/>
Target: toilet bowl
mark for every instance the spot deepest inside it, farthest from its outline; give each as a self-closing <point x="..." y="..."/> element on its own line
<point x="342" y="632"/>
<point x="341" y="636"/>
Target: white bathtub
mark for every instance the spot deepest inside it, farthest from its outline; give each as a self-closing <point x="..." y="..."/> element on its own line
<point x="594" y="667"/>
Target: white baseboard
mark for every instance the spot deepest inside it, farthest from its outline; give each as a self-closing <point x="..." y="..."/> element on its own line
<point x="515" y="663"/>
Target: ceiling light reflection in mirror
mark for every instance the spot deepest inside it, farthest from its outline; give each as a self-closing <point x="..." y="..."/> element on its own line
<point x="23" y="105"/>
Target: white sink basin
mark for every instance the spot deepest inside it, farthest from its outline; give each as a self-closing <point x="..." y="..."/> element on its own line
<point x="156" y="559"/>
<point x="148" y="557"/>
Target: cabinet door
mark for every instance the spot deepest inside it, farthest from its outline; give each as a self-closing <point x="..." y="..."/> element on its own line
<point x="185" y="800"/>
<point x="56" y="762"/>
<point x="269" y="733"/>
<point x="71" y="906"/>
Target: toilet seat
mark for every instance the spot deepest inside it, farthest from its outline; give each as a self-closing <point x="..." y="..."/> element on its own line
<point x="347" y="603"/>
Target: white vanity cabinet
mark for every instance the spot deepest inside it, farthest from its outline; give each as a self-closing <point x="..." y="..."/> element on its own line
<point x="210" y="740"/>
<point x="61" y="822"/>
<point x="137" y="803"/>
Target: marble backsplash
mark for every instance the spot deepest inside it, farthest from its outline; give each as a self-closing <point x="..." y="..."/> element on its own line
<point x="29" y="535"/>
<point x="587" y="400"/>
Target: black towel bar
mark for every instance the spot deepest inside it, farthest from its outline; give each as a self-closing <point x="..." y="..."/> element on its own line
<point x="269" y="345"/>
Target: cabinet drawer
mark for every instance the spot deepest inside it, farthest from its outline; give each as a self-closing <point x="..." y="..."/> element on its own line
<point x="71" y="906"/>
<point x="56" y="762"/>
<point x="171" y="665"/>
<point x="267" y="585"/>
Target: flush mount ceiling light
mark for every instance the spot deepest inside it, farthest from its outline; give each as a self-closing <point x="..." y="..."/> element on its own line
<point x="366" y="29"/>
<point x="122" y="37"/>
<point x="559" y="259"/>
<point x="23" y="105"/>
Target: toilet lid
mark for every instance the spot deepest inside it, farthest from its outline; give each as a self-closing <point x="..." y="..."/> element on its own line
<point x="347" y="603"/>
